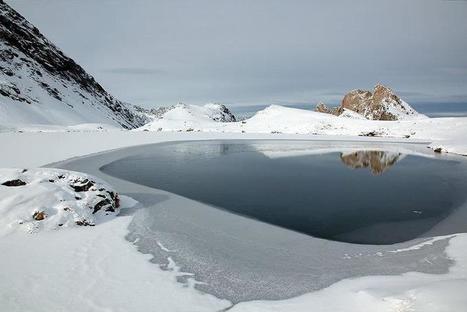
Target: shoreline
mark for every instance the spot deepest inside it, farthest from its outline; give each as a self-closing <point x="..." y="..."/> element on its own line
<point x="175" y="226"/>
<point x="71" y="152"/>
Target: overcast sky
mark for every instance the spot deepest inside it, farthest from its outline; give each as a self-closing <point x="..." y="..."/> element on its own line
<point x="261" y="51"/>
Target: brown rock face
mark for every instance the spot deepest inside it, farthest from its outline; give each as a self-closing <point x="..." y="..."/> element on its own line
<point x="38" y="215"/>
<point x="381" y="104"/>
<point x="376" y="161"/>
<point x="322" y="108"/>
<point x="359" y="101"/>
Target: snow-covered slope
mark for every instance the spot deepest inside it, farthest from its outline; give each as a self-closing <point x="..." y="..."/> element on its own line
<point x="40" y="85"/>
<point x="446" y="133"/>
<point x="188" y="117"/>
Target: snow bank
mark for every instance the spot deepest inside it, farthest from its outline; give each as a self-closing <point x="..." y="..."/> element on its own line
<point x="347" y="113"/>
<point x="448" y="133"/>
<point x="34" y="200"/>
<point x="186" y="117"/>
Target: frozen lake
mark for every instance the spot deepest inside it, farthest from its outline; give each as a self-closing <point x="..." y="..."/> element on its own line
<point x="363" y="197"/>
<point x="274" y="219"/>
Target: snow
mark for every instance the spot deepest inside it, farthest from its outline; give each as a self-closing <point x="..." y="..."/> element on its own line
<point x="402" y="110"/>
<point x="347" y="113"/>
<point x="89" y="269"/>
<point x="94" y="268"/>
<point x="187" y="117"/>
<point x="447" y="133"/>
<point x="76" y="106"/>
<point x="51" y="193"/>
<point x="52" y="263"/>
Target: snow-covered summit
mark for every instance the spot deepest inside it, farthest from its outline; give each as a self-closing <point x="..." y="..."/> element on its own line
<point x="188" y="117"/>
<point x="41" y="85"/>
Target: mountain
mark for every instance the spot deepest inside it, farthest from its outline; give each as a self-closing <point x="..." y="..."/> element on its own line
<point x="188" y="117"/>
<point x="381" y="104"/>
<point x="41" y="85"/>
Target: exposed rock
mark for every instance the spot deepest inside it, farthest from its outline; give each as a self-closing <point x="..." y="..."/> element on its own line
<point x="39" y="215"/>
<point x="359" y="101"/>
<point x="29" y="63"/>
<point x="369" y="134"/>
<point x="15" y="182"/>
<point x="381" y="104"/>
<point x="105" y="203"/>
<point x="376" y="161"/>
<point x="114" y="196"/>
<point x="84" y="222"/>
<point x="221" y="113"/>
<point x="80" y="185"/>
<point x="66" y="199"/>
<point x="323" y="108"/>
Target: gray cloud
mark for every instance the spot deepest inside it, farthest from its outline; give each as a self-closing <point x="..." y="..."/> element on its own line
<point x="160" y="52"/>
<point x="135" y="71"/>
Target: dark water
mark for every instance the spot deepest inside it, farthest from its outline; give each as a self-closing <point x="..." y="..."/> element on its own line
<point x="365" y="197"/>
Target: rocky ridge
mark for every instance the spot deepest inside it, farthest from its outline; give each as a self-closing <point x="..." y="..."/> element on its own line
<point x="381" y="104"/>
<point x="39" y="80"/>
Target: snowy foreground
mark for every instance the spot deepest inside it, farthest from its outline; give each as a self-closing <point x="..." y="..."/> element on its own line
<point x="34" y="200"/>
<point x="81" y="268"/>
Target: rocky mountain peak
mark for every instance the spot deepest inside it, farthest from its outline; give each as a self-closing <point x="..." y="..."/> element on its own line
<point x="219" y="112"/>
<point x="381" y="104"/>
<point x="34" y="71"/>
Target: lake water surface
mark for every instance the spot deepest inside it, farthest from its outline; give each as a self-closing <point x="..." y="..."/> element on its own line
<point x="356" y="196"/>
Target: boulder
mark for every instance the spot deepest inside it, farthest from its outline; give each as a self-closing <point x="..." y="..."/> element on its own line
<point x="39" y="215"/>
<point x="14" y="182"/>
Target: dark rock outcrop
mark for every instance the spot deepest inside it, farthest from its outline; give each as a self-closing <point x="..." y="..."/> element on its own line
<point x="81" y="185"/>
<point x="222" y="113"/>
<point x="16" y="182"/>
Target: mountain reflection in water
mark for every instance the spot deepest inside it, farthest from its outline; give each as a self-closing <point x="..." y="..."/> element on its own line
<point x="377" y="161"/>
<point x="293" y="185"/>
